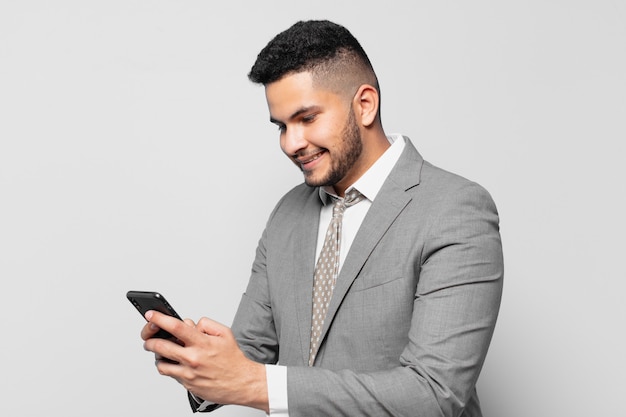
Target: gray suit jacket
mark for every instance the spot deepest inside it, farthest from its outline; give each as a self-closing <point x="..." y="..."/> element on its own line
<point x="413" y="310"/>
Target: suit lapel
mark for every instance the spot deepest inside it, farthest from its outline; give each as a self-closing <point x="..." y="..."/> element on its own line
<point x="305" y="247"/>
<point x="387" y="206"/>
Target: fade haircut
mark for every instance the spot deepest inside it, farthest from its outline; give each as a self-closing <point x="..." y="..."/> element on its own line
<point x="327" y="50"/>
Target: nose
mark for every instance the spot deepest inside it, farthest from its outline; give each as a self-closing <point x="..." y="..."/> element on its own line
<point x="292" y="140"/>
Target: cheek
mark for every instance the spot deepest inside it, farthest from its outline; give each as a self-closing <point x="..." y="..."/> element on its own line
<point x="326" y="136"/>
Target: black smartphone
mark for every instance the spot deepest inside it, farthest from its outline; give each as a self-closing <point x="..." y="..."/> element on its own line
<point x="151" y="300"/>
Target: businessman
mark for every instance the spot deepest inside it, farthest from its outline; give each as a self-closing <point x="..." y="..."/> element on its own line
<point x="376" y="283"/>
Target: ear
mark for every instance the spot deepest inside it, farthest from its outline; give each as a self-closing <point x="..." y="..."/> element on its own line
<point x="366" y="102"/>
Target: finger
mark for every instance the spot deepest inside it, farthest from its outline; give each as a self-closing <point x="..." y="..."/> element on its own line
<point x="167" y="367"/>
<point x="172" y="325"/>
<point x="164" y="350"/>
<point x="149" y="330"/>
<point x="158" y="358"/>
<point x="190" y="322"/>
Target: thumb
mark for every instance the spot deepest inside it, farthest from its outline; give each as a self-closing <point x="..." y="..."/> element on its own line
<point x="211" y="327"/>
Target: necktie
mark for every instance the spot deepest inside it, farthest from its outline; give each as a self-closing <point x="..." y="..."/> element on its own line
<point x="327" y="269"/>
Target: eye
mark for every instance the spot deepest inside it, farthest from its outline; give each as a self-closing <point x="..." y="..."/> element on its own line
<point x="309" y="119"/>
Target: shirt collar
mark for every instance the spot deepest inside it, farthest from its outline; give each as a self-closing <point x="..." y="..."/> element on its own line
<point x="370" y="183"/>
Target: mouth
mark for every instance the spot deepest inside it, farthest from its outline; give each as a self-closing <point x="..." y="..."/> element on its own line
<point x="306" y="160"/>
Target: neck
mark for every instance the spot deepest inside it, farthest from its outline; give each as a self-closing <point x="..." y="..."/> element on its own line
<point x="374" y="147"/>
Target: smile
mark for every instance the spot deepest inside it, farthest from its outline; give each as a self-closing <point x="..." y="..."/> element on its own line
<point x="316" y="156"/>
<point x="306" y="159"/>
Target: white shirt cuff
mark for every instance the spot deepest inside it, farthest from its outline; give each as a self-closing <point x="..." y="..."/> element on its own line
<point x="277" y="390"/>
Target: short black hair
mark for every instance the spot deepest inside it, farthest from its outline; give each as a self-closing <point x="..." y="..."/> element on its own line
<point x="305" y="46"/>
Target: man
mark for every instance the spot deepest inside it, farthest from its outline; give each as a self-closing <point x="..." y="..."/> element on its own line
<point x="401" y="321"/>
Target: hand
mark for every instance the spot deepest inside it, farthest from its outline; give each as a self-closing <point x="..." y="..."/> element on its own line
<point x="209" y="362"/>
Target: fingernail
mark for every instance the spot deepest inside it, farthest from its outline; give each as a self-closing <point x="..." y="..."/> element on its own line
<point x="148" y="315"/>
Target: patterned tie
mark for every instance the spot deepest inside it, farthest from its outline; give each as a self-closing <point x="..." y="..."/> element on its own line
<point x="327" y="269"/>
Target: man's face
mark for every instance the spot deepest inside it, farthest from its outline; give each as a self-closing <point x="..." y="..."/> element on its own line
<point x="318" y="131"/>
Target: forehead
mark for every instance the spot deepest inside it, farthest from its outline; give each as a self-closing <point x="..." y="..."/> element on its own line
<point x="296" y="91"/>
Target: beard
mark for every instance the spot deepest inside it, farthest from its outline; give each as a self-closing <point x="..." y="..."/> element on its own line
<point x="343" y="158"/>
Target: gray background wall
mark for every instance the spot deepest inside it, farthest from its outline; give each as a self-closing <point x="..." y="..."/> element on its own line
<point x="135" y="154"/>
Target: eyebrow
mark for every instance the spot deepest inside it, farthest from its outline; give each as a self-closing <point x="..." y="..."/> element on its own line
<point x="295" y="114"/>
